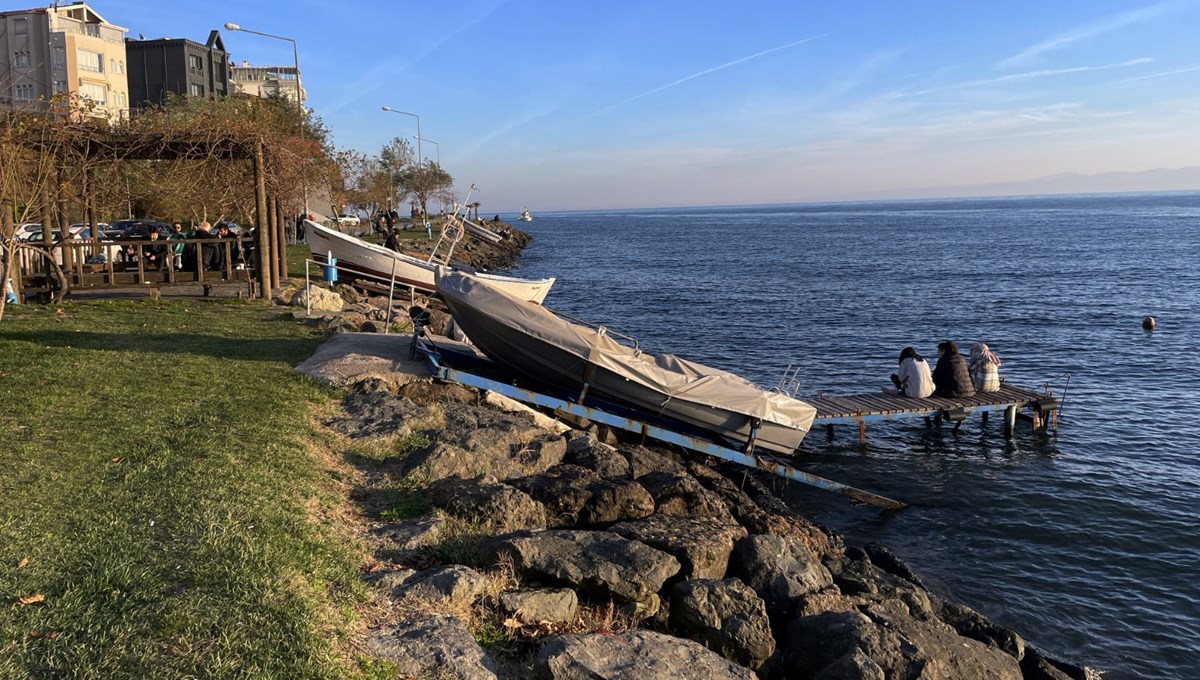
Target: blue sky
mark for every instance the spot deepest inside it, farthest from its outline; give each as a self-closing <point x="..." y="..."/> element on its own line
<point x="558" y="104"/>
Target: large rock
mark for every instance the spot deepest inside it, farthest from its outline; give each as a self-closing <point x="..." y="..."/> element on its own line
<point x="585" y="451"/>
<point x="781" y="569"/>
<point x="321" y="300"/>
<point x="432" y="647"/>
<point x="701" y="544"/>
<point x="476" y="441"/>
<point x="680" y="494"/>
<point x="614" y="500"/>
<point x="412" y="534"/>
<point x="643" y="461"/>
<point x="598" y="563"/>
<point x="970" y="623"/>
<point x="635" y="655"/>
<point x="485" y="499"/>
<point x="576" y="496"/>
<point x="862" y="583"/>
<point x="379" y="414"/>
<point x="902" y="647"/>
<point x="726" y="616"/>
<point x="563" y="490"/>
<point x="541" y="605"/>
<point x="452" y="582"/>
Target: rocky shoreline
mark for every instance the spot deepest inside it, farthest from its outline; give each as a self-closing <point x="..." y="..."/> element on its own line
<point x="505" y="544"/>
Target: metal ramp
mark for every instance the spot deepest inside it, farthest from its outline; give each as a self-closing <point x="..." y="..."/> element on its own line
<point x="475" y="371"/>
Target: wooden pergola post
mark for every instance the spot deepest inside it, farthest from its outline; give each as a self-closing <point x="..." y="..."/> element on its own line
<point x="281" y="230"/>
<point x="262" y="230"/>
<point x="273" y="227"/>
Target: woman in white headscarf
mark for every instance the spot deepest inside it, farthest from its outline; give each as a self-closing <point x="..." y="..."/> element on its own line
<point x="985" y="368"/>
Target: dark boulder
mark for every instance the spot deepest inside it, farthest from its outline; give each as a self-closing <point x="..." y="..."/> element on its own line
<point x="429" y="647"/>
<point x="453" y="582"/>
<point x="597" y="563"/>
<point x="701" y="544"/>
<point x="577" y="496"/>
<point x="498" y="505"/>
<point x="541" y="605"/>
<point x="635" y="655"/>
<point x="781" y="569"/>
<point x="726" y="616"/>
<point x="681" y="495"/>
<point x="585" y="451"/>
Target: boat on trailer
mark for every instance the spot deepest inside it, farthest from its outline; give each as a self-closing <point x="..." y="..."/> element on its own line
<point x="535" y="343"/>
<point x="362" y="259"/>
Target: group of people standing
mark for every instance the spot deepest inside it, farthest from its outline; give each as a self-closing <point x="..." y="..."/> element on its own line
<point x="953" y="376"/>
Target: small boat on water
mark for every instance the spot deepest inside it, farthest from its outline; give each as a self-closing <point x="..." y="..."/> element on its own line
<point x="525" y="216"/>
<point x="376" y="262"/>
<point x="534" y="342"/>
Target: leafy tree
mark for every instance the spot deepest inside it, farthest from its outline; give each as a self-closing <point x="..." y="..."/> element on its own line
<point x="423" y="181"/>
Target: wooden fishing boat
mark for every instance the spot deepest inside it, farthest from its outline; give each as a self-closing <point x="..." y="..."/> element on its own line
<point x="362" y="259"/>
<point x="534" y="342"/>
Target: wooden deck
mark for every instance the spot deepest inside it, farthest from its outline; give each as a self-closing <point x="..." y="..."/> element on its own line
<point x="863" y="408"/>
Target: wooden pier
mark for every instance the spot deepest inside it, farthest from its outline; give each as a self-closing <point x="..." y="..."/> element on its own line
<point x="874" y="407"/>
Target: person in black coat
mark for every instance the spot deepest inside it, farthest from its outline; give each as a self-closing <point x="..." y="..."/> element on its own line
<point x="154" y="253"/>
<point x="951" y="377"/>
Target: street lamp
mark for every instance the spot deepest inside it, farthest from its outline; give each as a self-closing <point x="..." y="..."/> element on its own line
<point x="230" y="26"/>
<point x="420" y="156"/>
<point x="435" y="144"/>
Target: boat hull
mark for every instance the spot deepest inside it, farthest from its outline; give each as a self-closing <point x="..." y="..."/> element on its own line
<point x="537" y="354"/>
<point x="368" y="260"/>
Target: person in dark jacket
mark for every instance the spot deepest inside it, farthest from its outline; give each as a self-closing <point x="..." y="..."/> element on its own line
<point x="154" y="253"/>
<point x="951" y="377"/>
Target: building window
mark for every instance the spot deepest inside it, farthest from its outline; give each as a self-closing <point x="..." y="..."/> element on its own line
<point x="60" y="57"/>
<point x="60" y="86"/>
<point x="195" y="62"/>
<point x="96" y="93"/>
<point x="21" y="59"/>
<point x="121" y="66"/>
<point x="122" y="100"/>
<point x="25" y="91"/>
<point x="92" y="30"/>
<point x="90" y="61"/>
<point x="20" y="26"/>
<point x="196" y="90"/>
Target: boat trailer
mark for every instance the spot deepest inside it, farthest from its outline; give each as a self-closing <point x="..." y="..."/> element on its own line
<point x="636" y="425"/>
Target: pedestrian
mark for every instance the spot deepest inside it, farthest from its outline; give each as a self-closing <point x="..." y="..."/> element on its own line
<point x="177" y="236"/>
<point x="951" y="377"/>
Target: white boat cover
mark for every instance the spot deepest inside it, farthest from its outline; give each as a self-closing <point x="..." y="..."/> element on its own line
<point x="672" y="376"/>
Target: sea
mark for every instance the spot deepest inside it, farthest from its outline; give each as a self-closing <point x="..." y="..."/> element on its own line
<point x="1087" y="540"/>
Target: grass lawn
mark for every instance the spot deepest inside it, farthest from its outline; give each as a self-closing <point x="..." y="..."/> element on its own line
<point x="160" y="502"/>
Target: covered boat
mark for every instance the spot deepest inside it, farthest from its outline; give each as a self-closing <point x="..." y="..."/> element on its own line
<point x="376" y="262"/>
<point x="532" y="341"/>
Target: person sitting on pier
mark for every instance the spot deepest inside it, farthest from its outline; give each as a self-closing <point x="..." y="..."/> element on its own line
<point x="914" y="378"/>
<point x="951" y="377"/>
<point x="985" y="368"/>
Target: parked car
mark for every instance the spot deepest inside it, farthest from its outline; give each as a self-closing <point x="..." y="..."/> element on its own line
<point x="33" y="232"/>
<point x="137" y="229"/>
<point x="84" y="230"/>
<point x="348" y="220"/>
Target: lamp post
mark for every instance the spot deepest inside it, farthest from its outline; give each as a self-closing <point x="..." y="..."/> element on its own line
<point x="229" y="26"/>
<point x="436" y="146"/>
<point x="420" y="157"/>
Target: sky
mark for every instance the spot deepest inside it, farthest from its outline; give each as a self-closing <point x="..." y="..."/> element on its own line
<point x="561" y="104"/>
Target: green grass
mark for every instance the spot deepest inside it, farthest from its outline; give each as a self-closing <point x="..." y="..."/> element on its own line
<point x="156" y="488"/>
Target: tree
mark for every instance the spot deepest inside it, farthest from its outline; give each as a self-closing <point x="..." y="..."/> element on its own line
<point x="423" y="181"/>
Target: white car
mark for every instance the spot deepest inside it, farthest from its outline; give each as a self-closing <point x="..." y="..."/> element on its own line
<point x="348" y="220"/>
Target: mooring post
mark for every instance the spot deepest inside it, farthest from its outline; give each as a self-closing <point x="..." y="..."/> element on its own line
<point x="862" y="433"/>
<point x="262" y="234"/>
<point x="1010" y="421"/>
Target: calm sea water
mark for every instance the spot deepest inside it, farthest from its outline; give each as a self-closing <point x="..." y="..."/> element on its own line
<point x="1088" y="542"/>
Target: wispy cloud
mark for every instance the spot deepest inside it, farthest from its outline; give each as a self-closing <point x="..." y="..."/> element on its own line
<point x="1106" y="25"/>
<point x="1028" y="75"/>
<point x="1160" y="74"/>
<point x="705" y="72"/>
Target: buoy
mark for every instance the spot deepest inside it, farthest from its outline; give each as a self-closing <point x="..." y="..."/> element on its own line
<point x="1148" y="323"/>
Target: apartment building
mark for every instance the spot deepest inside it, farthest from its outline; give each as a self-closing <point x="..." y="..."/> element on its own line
<point x="179" y="66"/>
<point x="53" y="50"/>
<point x="267" y="81"/>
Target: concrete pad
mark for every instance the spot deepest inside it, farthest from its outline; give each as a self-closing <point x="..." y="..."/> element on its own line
<point x="350" y="358"/>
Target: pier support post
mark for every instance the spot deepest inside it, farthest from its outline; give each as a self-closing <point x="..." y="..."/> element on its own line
<point x="1010" y="421"/>
<point x="862" y="433"/>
